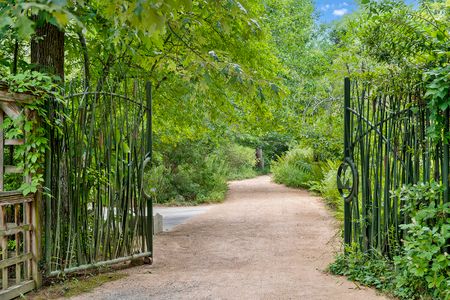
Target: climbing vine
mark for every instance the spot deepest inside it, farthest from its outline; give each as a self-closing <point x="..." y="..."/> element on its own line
<point x="33" y="124"/>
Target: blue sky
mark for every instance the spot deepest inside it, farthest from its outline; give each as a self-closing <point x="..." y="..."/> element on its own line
<point x="330" y="10"/>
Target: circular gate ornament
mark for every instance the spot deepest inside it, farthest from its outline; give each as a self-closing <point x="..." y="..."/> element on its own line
<point x="147" y="160"/>
<point x="347" y="179"/>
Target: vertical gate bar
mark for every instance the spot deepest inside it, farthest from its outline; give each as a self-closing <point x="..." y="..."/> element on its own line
<point x="36" y="238"/>
<point x="445" y="166"/>
<point x="347" y="205"/>
<point x="148" y="92"/>
<point x="47" y="187"/>
<point x="445" y="182"/>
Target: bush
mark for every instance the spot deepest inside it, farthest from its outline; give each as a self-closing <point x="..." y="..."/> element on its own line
<point x="273" y="145"/>
<point x="195" y="172"/>
<point x="296" y="168"/>
<point x="370" y="269"/>
<point x="240" y="161"/>
<point x="424" y="263"/>
<point x="158" y="183"/>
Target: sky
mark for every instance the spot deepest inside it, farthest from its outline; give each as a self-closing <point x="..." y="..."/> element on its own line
<point x="330" y="10"/>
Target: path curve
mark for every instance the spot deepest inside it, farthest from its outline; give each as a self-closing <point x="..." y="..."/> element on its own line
<point x="265" y="241"/>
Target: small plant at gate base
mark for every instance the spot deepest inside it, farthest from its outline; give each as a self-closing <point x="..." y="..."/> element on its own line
<point x="370" y="269"/>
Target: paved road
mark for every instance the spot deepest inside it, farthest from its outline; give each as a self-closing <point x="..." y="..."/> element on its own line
<point x="173" y="216"/>
<point x="265" y="241"/>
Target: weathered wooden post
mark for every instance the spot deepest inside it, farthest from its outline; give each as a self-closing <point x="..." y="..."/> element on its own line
<point x="19" y="213"/>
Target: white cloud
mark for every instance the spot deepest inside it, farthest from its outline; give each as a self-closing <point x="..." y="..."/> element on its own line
<point x="340" y="12"/>
<point x="325" y="7"/>
<point x="345" y="4"/>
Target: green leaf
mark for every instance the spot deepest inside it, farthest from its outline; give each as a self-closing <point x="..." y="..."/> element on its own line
<point x="24" y="27"/>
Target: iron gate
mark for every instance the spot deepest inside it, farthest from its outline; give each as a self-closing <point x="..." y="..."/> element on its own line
<point x="386" y="146"/>
<point x="96" y="210"/>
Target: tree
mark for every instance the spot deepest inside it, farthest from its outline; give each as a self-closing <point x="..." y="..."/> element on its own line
<point x="47" y="47"/>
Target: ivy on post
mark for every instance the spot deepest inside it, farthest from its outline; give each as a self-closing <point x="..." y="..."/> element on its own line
<point x="20" y="110"/>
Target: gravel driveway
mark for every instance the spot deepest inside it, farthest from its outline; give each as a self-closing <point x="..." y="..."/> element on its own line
<point x="265" y="241"/>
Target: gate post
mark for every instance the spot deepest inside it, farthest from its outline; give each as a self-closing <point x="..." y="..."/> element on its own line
<point x="19" y="213"/>
<point x="445" y="160"/>
<point x="149" y="146"/>
<point x="347" y="154"/>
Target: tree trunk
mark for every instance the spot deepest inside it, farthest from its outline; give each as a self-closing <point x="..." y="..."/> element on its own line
<point x="47" y="55"/>
<point x="259" y="159"/>
<point x="47" y="49"/>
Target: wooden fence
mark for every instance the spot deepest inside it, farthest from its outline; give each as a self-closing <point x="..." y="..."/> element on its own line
<point x="19" y="228"/>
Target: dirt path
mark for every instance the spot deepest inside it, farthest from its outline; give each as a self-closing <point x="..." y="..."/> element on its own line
<point x="265" y="242"/>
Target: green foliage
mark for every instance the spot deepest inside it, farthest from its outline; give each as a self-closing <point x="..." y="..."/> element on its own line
<point x="419" y="196"/>
<point x="438" y="89"/>
<point x="196" y="173"/>
<point x="327" y="188"/>
<point x="273" y="145"/>
<point x="239" y="161"/>
<point x="424" y="263"/>
<point x="421" y="268"/>
<point x="370" y="269"/>
<point x="15" y="15"/>
<point x="30" y="155"/>
<point x="296" y="168"/>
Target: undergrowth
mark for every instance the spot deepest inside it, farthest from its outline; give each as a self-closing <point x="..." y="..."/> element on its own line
<point x="71" y="287"/>
<point x="195" y="173"/>
<point x="296" y="168"/>
<point x="420" y="268"/>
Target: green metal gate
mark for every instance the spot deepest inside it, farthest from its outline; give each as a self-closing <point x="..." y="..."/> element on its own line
<point x="96" y="209"/>
<point x="385" y="147"/>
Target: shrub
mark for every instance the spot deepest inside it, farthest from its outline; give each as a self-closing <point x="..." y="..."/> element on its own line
<point x="424" y="264"/>
<point x="157" y="182"/>
<point x="273" y="145"/>
<point x="327" y="187"/>
<point x="195" y="172"/>
<point x="296" y="168"/>
<point x="240" y="161"/>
